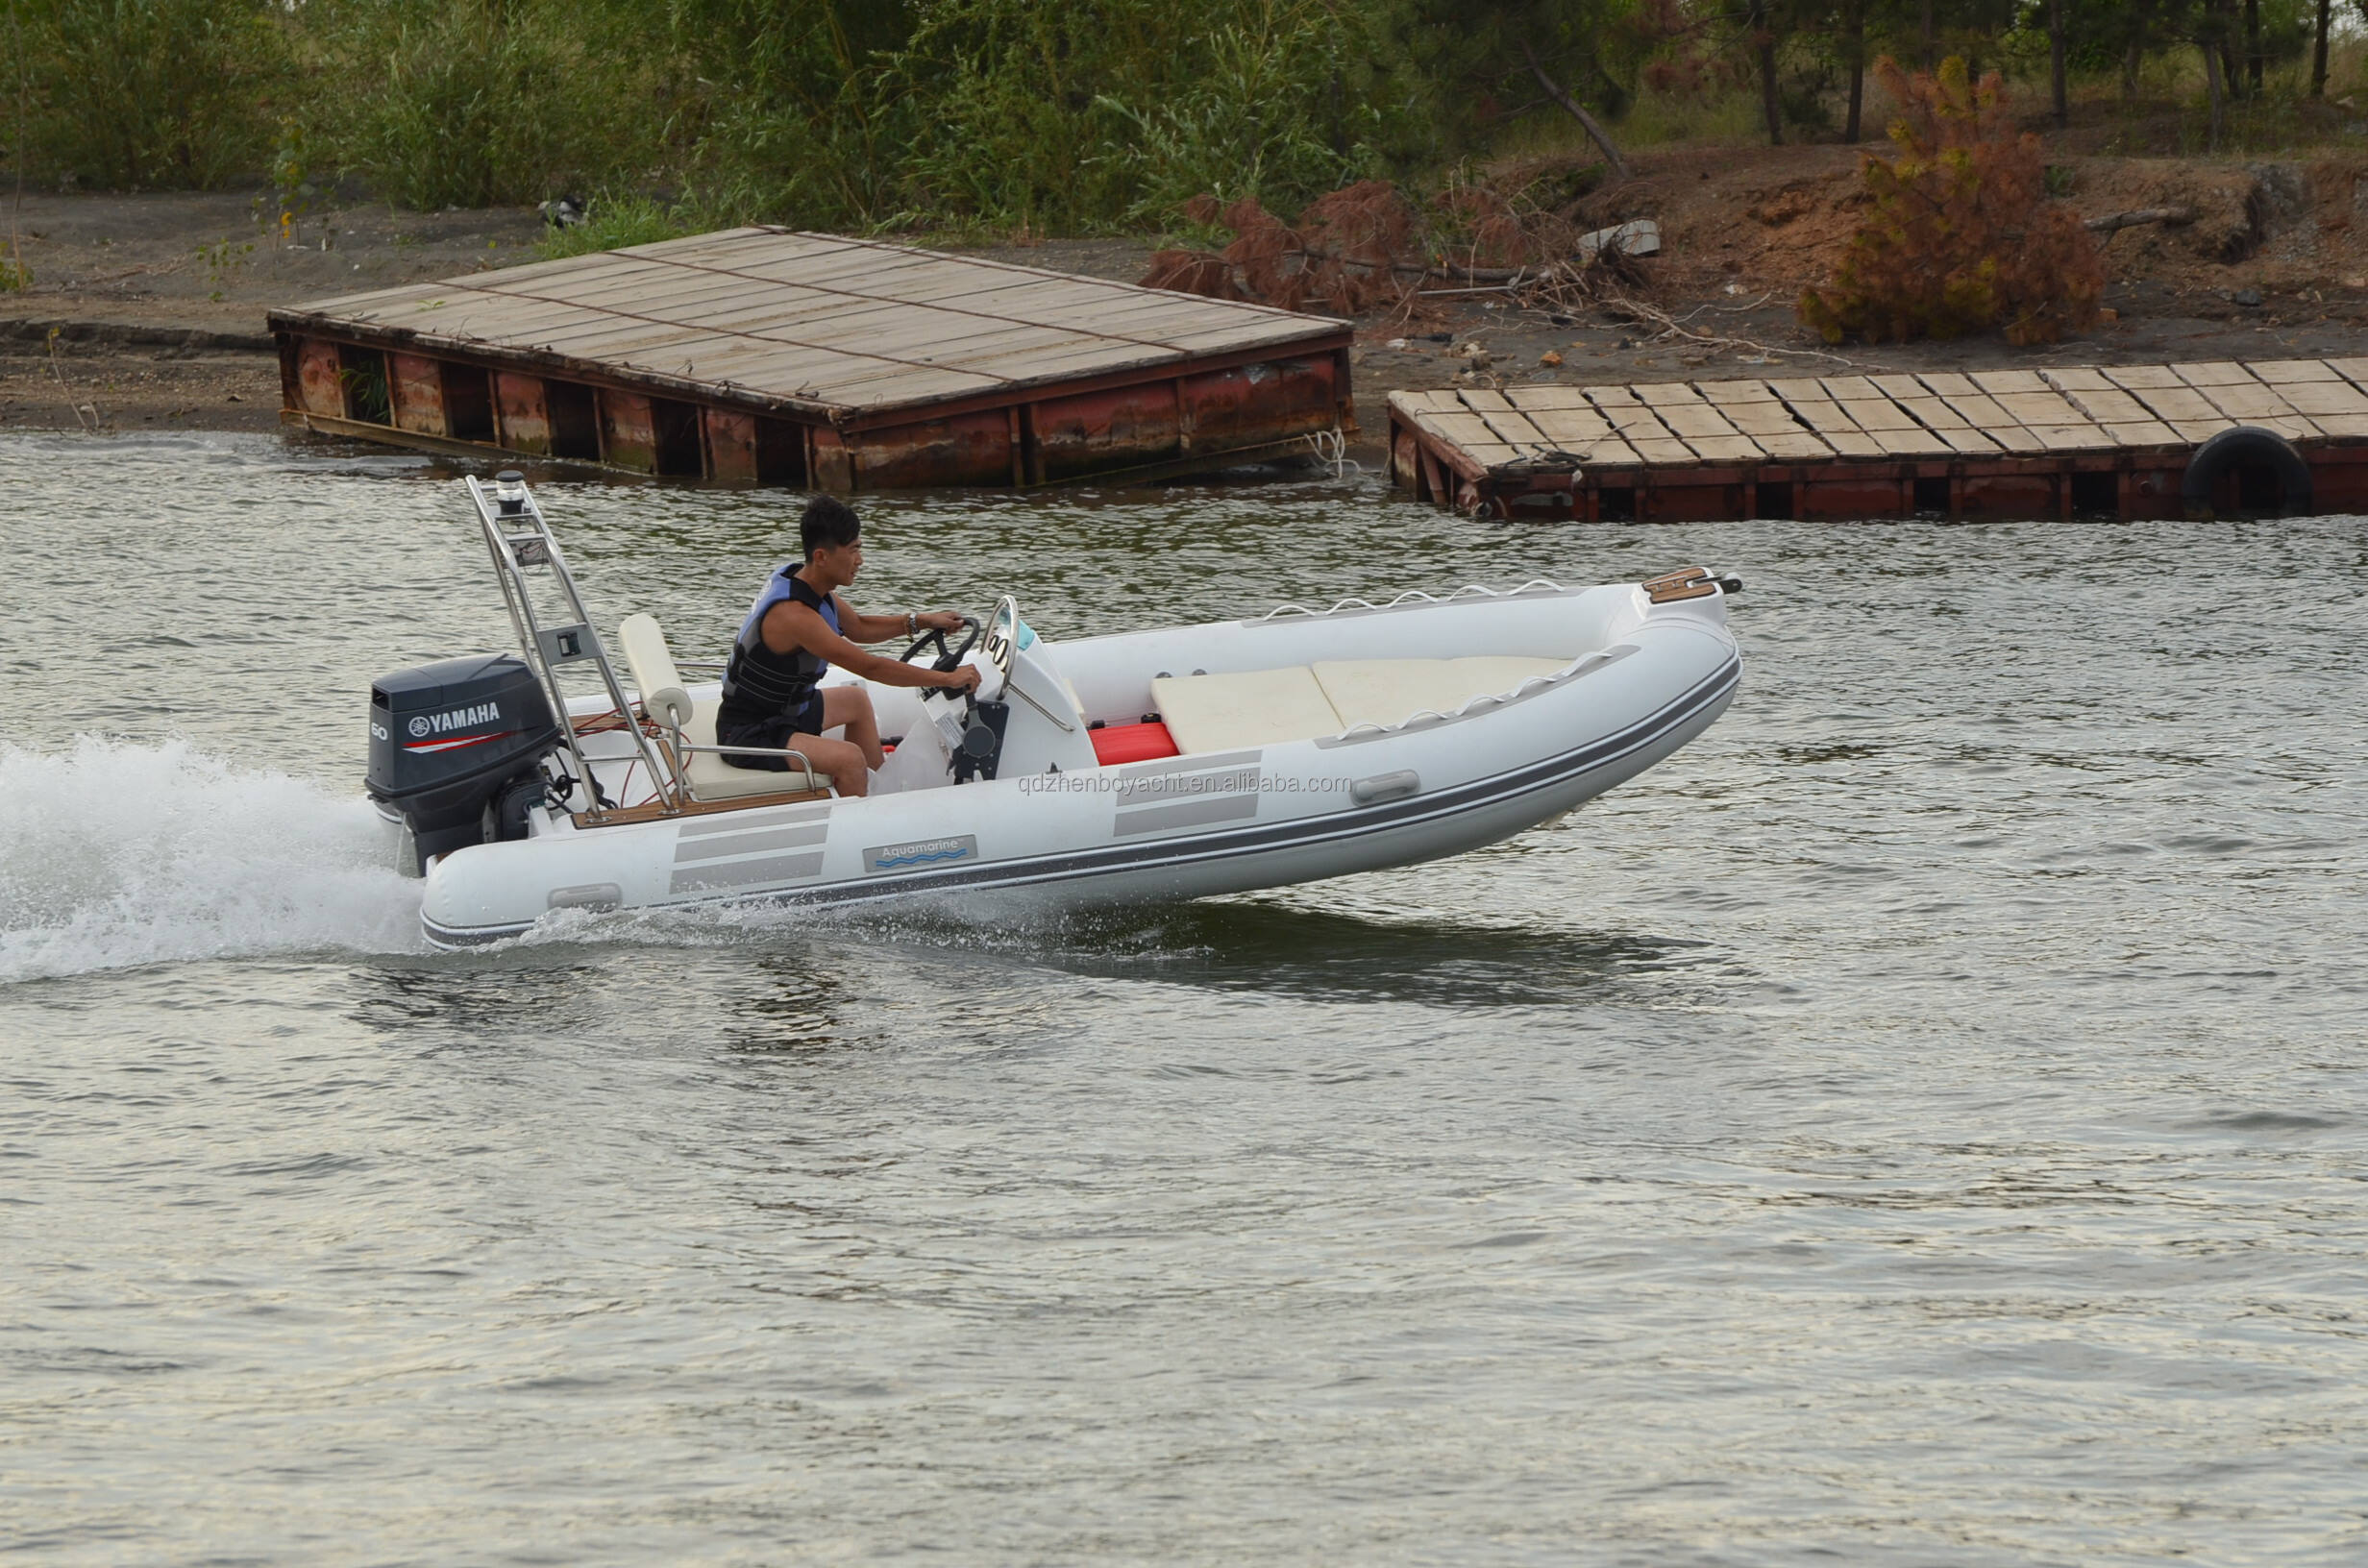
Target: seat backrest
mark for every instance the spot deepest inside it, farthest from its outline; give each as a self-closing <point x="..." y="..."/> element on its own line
<point x="652" y="663"/>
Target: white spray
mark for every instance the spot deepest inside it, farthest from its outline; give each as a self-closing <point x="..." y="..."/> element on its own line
<point x="121" y="852"/>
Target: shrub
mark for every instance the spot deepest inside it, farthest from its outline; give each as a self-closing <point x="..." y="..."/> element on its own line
<point x="1071" y="115"/>
<point x="788" y="108"/>
<point x="1962" y="237"/>
<point x="475" y="102"/>
<point x="156" y="93"/>
<point x="1249" y="122"/>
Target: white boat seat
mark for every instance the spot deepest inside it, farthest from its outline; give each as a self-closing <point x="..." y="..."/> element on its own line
<point x="712" y="778"/>
<point x="664" y="698"/>
<point x="1390" y="691"/>
<point x="1301" y="702"/>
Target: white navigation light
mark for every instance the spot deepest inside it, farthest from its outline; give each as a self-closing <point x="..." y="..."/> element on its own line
<point x="510" y="491"/>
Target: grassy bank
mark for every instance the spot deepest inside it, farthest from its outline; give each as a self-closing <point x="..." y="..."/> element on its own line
<point x="1037" y="117"/>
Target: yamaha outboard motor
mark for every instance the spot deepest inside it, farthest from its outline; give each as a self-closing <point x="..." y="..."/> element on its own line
<point x="446" y="739"/>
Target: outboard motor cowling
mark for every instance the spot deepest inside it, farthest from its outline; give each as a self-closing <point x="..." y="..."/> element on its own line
<point x="445" y="738"/>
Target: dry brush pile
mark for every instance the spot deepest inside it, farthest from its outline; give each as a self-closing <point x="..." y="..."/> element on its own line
<point x="1369" y="248"/>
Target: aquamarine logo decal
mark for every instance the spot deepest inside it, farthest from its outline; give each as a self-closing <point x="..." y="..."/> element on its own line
<point x="920" y="854"/>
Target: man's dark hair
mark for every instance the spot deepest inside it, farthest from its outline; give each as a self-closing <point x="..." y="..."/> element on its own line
<point x="828" y="521"/>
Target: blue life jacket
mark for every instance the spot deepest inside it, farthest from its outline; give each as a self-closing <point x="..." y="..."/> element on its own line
<point x="759" y="684"/>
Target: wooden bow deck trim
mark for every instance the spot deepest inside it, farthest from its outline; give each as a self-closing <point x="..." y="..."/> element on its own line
<point x="817" y="360"/>
<point x="2045" y="442"/>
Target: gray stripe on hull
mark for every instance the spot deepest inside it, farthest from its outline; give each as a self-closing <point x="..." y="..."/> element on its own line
<point x="1230" y="808"/>
<point x="1137" y="770"/>
<point x="1154" y="791"/>
<point x="748" y="822"/>
<point x="748" y="844"/>
<point x="741" y="873"/>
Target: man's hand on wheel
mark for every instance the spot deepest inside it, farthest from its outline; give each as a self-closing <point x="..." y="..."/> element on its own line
<point x="939" y="619"/>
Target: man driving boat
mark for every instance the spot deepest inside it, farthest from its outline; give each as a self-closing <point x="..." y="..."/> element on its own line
<point x="798" y="629"/>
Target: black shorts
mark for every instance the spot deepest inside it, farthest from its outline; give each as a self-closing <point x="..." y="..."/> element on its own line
<point x="773" y="733"/>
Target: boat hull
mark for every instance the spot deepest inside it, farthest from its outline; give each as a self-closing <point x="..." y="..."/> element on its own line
<point x="1179" y="828"/>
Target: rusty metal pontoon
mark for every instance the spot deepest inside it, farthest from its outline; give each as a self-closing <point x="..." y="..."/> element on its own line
<point x="763" y="355"/>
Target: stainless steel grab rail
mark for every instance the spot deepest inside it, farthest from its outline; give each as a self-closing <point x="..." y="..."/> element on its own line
<point x="518" y="537"/>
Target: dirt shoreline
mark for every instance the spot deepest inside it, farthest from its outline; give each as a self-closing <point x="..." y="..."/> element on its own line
<point x="146" y="311"/>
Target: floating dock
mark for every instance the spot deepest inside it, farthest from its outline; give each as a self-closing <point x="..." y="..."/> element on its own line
<point x="764" y="356"/>
<point x="2003" y="443"/>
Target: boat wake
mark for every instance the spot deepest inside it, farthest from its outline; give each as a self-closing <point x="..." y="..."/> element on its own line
<point x="117" y="852"/>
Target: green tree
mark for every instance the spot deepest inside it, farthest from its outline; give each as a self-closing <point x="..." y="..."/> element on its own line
<point x="1583" y="56"/>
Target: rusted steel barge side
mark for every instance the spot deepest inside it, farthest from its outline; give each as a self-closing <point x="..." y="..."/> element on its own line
<point x="2111" y="440"/>
<point x="764" y="356"/>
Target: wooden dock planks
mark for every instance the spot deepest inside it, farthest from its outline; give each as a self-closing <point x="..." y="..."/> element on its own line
<point x="836" y="322"/>
<point x="1935" y="414"/>
<point x="863" y="365"/>
<point x="1937" y="427"/>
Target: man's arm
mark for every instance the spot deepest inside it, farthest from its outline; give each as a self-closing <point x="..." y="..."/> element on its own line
<point x="861" y="627"/>
<point x="789" y="627"/>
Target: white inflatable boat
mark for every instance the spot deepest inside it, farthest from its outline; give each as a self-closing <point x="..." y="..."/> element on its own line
<point x="1149" y="765"/>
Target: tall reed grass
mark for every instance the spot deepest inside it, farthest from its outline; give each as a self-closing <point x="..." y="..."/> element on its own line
<point x="132" y="94"/>
<point x="473" y="103"/>
<point x="1073" y="116"/>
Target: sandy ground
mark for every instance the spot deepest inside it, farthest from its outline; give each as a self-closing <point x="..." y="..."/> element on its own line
<point x="158" y="301"/>
<point x="146" y="311"/>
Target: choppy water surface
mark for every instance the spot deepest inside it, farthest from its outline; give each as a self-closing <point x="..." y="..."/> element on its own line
<point x="1921" y="1124"/>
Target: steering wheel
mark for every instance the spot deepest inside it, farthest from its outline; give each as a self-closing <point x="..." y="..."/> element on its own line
<point x="947" y="658"/>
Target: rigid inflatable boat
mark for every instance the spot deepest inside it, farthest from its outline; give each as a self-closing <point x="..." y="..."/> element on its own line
<point x="1153" y="765"/>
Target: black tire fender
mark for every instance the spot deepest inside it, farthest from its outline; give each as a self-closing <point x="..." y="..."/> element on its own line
<point x="2247" y="445"/>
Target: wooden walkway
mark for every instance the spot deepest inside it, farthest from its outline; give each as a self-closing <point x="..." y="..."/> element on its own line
<point x="770" y="356"/>
<point x="2045" y="442"/>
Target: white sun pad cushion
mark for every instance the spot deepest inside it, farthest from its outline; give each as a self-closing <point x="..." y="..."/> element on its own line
<point x="1390" y="691"/>
<point x="1256" y="707"/>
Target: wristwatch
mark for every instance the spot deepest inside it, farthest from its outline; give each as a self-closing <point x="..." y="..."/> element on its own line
<point x="911" y="625"/>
